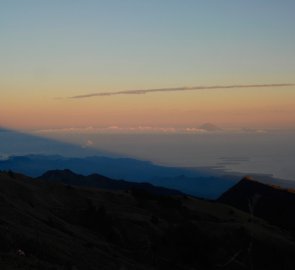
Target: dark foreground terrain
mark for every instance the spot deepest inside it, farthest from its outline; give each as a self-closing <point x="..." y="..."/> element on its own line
<point x="50" y="225"/>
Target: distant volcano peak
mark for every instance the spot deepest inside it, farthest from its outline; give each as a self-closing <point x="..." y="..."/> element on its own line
<point x="248" y="178"/>
<point x="210" y="127"/>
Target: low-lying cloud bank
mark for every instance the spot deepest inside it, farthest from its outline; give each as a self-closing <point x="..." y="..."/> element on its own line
<point x="144" y="130"/>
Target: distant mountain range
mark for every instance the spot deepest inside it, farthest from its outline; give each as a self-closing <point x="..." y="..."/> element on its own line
<point x="85" y="161"/>
<point x="197" y="182"/>
<point x="45" y="224"/>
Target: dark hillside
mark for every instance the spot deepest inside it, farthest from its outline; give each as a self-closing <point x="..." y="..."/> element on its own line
<point x="46" y="225"/>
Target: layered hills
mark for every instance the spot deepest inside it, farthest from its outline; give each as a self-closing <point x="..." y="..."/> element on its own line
<point x="205" y="183"/>
<point x="54" y="223"/>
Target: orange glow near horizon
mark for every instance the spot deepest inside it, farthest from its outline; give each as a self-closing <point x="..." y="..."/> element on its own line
<point x="259" y="108"/>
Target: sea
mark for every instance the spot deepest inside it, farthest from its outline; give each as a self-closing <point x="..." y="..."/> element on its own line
<point x="271" y="153"/>
<point x="267" y="152"/>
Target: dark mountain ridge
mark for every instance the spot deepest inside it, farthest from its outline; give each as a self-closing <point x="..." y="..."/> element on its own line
<point x="46" y="225"/>
<point x="95" y="180"/>
<point x="272" y="203"/>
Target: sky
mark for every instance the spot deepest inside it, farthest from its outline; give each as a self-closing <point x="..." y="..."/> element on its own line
<point x="61" y="58"/>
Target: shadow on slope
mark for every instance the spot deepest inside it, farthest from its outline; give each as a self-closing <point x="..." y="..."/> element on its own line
<point x="19" y="143"/>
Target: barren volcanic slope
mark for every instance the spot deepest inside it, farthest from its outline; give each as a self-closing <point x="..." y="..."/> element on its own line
<point x="46" y="225"/>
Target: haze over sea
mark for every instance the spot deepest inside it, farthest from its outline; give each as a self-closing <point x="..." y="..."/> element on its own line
<point x="247" y="151"/>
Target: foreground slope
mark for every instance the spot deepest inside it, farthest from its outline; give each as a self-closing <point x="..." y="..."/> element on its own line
<point x="47" y="225"/>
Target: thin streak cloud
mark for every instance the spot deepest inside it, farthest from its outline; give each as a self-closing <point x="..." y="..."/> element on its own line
<point x="176" y="89"/>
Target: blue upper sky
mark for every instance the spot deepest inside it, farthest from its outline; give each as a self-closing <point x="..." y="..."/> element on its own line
<point x="208" y="39"/>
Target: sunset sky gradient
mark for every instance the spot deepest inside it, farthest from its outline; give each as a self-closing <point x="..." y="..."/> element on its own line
<point x="53" y="50"/>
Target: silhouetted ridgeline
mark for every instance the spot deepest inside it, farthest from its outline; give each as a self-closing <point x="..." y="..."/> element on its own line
<point x="196" y="182"/>
<point x="271" y="203"/>
<point x="99" y="181"/>
<point x="45" y="224"/>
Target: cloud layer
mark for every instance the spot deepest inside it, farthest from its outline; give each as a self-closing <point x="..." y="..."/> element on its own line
<point x="144" y="130"/>
<point x="183" y="88"/>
